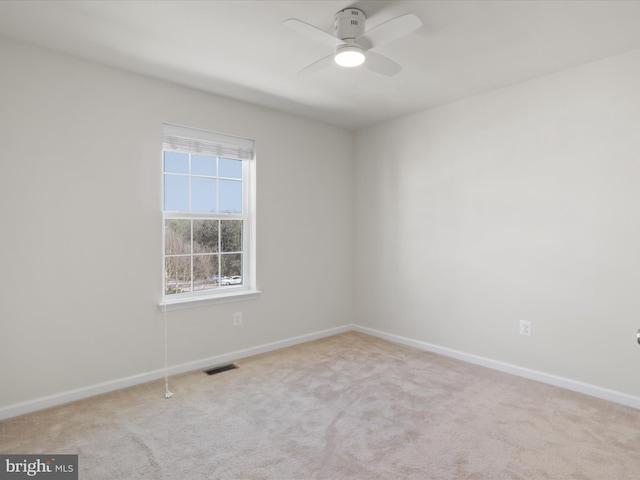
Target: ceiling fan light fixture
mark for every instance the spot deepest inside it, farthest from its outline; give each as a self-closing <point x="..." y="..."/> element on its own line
<point x="349" y="56"/>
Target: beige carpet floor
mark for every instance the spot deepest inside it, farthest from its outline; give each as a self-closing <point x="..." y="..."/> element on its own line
<point x="345" y="407"/>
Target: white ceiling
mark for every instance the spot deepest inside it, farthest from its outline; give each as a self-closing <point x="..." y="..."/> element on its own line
<point x="240" y="48"/>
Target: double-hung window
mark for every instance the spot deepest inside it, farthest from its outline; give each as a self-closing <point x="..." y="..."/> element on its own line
<point x="208" y="216"/>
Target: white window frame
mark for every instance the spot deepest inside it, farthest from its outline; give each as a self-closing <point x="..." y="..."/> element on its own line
<point x="195" y="141"/>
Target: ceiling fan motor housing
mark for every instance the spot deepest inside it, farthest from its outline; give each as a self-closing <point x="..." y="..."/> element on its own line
<point x="350" y="23"/>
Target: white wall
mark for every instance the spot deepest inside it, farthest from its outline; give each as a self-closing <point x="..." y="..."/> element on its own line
<point x="80" y="244"/>
<point x="518" y="204"/>
<point x="522" y="203"/>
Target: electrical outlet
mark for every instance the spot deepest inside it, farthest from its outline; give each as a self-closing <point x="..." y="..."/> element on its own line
<point x="525" y="328"/>
<point x="237" y="319"/>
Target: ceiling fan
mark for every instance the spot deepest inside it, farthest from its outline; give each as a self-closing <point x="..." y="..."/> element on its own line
<point x="353" y="44"/>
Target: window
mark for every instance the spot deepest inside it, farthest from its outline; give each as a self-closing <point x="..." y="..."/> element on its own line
<point x="208" y="216"/>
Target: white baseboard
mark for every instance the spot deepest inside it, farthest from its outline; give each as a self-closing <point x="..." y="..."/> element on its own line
<point x="566" y="383"/>
<point x="92" y="390"/>
<point x="78" y="394"/>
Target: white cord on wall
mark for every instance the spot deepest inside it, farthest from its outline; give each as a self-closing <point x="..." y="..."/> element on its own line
<point x="167" y="393"/>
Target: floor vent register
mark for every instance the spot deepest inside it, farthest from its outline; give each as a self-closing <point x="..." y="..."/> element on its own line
<point x="222" y="368"/>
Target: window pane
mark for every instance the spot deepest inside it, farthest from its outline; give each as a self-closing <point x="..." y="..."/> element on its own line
<point x="230" y="168"/>
<point x="205" y="236"/>
<point x="204" y="214"/>
<point x="231" y="235"/>
<point x="232" y="266"/>
<point x="205" y="272"/>
<point x="230" y="196"/>
<point x="177" y="237"/>
<point x="203" y="195"/>
<point x="177" y="275"/>
<point x="176" y="193"/>
<point x="175" y="162"/>
<point x="203" y="165"/>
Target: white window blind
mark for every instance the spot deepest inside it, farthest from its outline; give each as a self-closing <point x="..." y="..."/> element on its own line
<point x="189" y="140"/>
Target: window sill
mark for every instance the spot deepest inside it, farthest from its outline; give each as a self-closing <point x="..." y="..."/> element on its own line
<point x="194" y="302"/>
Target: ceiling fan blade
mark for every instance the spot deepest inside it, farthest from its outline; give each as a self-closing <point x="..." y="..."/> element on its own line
<point x="312" y="32"/>
<point x="318" y="65"/>
<point x="380" y="64"/>
<point x="390" y="30"/>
